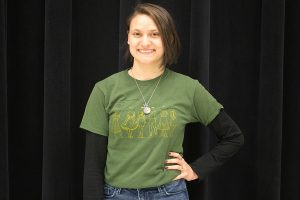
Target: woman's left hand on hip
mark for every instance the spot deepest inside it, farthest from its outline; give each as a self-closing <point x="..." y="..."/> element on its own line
<point x="178" y="163"/>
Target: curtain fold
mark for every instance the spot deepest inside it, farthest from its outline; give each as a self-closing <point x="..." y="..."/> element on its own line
<point x="56" y="177"/>
<point x="270" y="100"/>
<point x="4" y="168"/>
<point x="290" y="164"/>
<point x="24" y="97"/>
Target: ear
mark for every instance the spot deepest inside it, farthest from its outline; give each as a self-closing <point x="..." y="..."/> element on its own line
<point x="128" y="37"/>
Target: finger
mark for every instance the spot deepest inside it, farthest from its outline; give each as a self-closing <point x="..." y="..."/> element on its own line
<point x="174" y="167"/>
<point x="180" y="176"/>
<point x="176" y="155"/>
<point x="177" y="177"/>
<point x="173" y="160"/>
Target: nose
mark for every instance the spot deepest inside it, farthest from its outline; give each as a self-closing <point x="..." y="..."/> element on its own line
<point x="146" y="40"/>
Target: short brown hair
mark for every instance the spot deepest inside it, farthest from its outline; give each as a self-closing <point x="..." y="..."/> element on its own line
<point x="166" y="27"/>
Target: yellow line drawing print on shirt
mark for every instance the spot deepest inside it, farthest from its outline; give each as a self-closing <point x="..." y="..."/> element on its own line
<point x="163" y="125"/>
<point x="115" y="124"/>
<point x="130" y="123"/>
<point x="152" y="124"/>
<point x="141" y="121"/>
<point x="172" y="121"/>
<point x="136" y="124"/>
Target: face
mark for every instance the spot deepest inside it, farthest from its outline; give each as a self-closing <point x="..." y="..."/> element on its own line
<point x="145" y="42"/>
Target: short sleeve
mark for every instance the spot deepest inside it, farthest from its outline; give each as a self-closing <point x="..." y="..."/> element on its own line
<point x="206" y="107"/>
<point x="95" y="118"/>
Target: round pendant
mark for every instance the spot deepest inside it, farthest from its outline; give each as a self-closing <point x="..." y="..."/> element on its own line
<point x="147" y="110"/>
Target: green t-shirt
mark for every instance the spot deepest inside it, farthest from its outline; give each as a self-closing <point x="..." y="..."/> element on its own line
<point x="137" y="143"/>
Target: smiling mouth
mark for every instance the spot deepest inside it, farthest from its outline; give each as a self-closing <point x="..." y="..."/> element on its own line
<point x="146" y="51"/>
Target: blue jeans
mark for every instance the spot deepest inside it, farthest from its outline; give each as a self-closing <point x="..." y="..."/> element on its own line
<point x="175" y="190"/>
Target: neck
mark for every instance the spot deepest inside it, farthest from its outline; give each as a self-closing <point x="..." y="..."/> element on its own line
<point x="146" y="72"/>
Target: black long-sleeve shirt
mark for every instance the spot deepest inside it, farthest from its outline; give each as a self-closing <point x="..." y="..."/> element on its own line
<point x="230" y="140"/>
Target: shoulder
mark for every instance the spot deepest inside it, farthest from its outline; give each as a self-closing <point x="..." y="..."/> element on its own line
<point x="182" y="79"/>
<point x="110" y="80"/>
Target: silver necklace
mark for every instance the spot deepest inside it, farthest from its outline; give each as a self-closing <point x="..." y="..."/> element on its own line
<point x="146" y="107"/>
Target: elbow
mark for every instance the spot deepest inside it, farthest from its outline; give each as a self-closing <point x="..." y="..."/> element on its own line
<point x="237" y="140"/>
<point x="240" y="140"/>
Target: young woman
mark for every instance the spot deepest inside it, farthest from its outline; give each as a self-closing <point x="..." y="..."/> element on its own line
<point x="135" y="120"/>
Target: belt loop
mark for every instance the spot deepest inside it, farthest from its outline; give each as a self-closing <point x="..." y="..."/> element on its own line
<point x="138" y="192"/>
<point x="160" y="188"/>
<point x="119" y="190"/>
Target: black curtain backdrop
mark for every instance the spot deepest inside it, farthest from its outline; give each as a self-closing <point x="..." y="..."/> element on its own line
<point x="245" y="52"/>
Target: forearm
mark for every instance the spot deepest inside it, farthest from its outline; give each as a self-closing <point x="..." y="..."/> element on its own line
<point x="230" y="141"/>
<point x="95" y="158"/>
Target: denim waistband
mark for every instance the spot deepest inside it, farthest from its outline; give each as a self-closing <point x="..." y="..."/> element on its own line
<point x="149" y="189"/>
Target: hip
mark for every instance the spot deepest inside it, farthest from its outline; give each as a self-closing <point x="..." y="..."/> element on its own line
<point x="175" y="190"/>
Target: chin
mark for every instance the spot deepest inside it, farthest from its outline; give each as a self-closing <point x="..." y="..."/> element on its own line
<point x="144" y="62"/>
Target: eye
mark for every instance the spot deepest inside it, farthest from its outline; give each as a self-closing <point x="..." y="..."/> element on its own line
<point x="155" y="34"/>
<point x="136" y="34"/>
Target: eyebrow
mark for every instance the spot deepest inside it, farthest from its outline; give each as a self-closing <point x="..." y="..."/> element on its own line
<point x="152" y="30"/>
